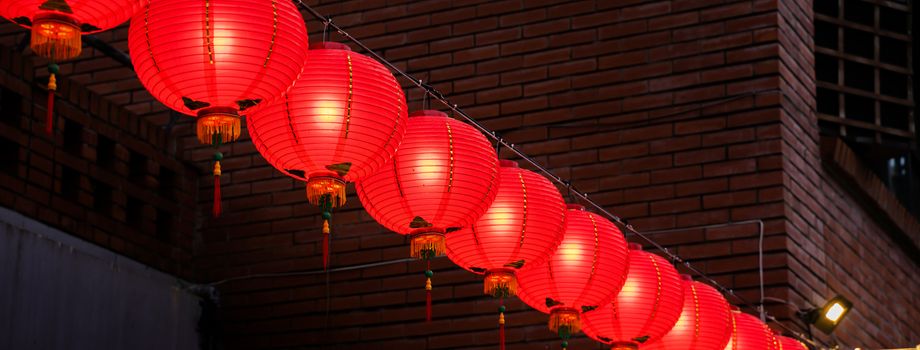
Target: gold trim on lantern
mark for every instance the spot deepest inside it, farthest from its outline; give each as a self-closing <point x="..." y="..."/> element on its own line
<point x="319" y="186"/>
<point x="500" y="280"/>
<point x="564" y="317"/>
<point x="624" y="346"/>
<point x="213" y="121"/>
<point x="429" y="239"/>
<point x="56" y="37"/>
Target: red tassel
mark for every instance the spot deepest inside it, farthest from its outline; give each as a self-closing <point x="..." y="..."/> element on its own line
<point x="49" y="119"/>
<point x="428" y="274"/>
<point x="217" y="208"/>
<point x="428" y="304"/>
<point x="501" y="333"/>
<point x="325" y="244"/>
<point x="501" y="326"/>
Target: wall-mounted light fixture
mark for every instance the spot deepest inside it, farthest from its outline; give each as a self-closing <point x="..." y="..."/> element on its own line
<point x="827" y="317"/>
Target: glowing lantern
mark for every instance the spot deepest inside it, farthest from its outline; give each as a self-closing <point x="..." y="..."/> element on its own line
<point x="787" y="343"/>
<point x="58" y="25"/>
<point x="646" y="308"/>
<point x="523" y="226"/>
<point x="444" y="176"/>
<point x="340" y="122"/>
<point x="748" y="332"/>
<point x="217" y="58"/>
<point x="704" y="324"/>
<point x="586" y="271"/>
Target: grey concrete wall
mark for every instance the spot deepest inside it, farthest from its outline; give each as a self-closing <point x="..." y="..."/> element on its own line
<point x="59" y="292"/>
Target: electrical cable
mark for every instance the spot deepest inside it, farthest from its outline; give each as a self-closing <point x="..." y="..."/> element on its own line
<point x="583" y="196"/>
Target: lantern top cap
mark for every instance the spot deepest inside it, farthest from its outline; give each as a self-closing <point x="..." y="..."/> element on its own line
<point x="428" y="113"/>
<point x="686" y="277"/>
<point x="329" y="45"/>
<point x="635" y="246"/>
<point x="504" y="163"/>
<point x="574" y="206"/>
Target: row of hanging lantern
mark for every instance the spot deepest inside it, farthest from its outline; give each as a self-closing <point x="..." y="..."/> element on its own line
<point x="327" y="116"/>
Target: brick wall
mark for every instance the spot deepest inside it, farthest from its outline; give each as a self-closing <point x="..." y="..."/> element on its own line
<point x="105" y="175"/>
<point x="691" y="118"/>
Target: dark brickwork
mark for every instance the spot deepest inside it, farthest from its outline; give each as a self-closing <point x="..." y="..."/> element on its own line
<point x="691" y="118"/>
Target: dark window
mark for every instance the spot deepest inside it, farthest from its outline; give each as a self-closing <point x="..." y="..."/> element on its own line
<point x="167" y="182"/>
<point x="164" y="226"/>
<point x="864" y="87"/>
<point x="137" y="167"/>
<point x="102" y="197"/>
<point x="10" y="107"/>
<point x="73" y="136"/>
<point x="867" y="102"/>
<point x="134" y="211"/>
<point x="9" y="157"/>
<point x="105" y="152"/>
<point x="70" y="183"/>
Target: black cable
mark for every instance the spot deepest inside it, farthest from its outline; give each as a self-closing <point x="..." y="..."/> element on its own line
<point x="434" y="93"/>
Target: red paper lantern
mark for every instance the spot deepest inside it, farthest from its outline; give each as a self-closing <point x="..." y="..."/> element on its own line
<point x="586" y="271"/>
<point x="57" y="28"/>
<point x="444" y="176"/>
<point x="341" y="121"/>
<point x="646" y="308"/>
<point x="216" y="58"/>
<point x="748" y="332"/>
<point x="57" y="25"/>
<point x="523" y="227"/>
<point x="704" y="324"/>
<point x="787" y="343"/>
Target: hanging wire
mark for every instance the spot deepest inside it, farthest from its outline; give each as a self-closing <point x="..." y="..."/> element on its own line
<point x="501" y="142"/>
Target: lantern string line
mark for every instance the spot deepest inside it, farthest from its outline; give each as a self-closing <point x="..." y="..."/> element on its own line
<point x="583" y="196"/>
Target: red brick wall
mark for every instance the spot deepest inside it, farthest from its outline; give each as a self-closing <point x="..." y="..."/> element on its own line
<point x="130" y="195"/>
<point x="836" y="246"/>
<point x="694" y="117"/>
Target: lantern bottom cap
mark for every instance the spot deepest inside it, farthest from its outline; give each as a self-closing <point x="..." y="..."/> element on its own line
<point x="564" y="321"/>
<point x="500" y="283"/>
<point x="624" y="346"/>
<point x="320" y="186"/>
<point x="218" y="125"/>
<point x="56" y="37"/>
<point x="427" y="244"/>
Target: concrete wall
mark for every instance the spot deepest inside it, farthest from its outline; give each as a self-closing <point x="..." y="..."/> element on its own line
<point x="59" y="292"/>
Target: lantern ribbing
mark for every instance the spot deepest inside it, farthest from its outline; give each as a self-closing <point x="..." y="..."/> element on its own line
<point x="585" y="272"/>
<point x="340" y="123"/>
<point x="748" y="332"/>
<point x="704" y="323"/>
<point x="645" y="309"/>
<point x="787" y="343"/>
<point x="443" y="177"/>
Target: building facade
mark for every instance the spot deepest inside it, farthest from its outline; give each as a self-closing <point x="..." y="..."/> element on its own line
<point x="723" y="129"/>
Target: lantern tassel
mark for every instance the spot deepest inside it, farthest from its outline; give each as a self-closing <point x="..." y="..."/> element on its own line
<point x="325" y="203"/>
<point x="564" y="321"/>
<point x="501" y="326"/>
<point x="49" y="119"/>
<point x="325" y="244"/>
<point x="428" y="274"/>
<point x="500" y="284"/>
<point x="427" y="245"/>
<point x="217" y="209"/>
<point x="54" y="69"/>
